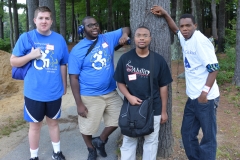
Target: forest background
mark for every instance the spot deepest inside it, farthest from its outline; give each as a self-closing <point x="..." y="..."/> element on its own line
<point x="219" y="19"/>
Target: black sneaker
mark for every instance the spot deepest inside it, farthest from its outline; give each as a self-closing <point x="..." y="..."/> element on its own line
<point x="100" y="146"/>
<point x="58" y="156"/>
<point x="92" y="154"/>
<point x="35" y="158"/>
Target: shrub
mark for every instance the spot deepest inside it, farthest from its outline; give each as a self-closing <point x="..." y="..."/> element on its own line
<point x="5" y="44"/>
<point x="230" y="38"/>
<point x="227" y="66"/>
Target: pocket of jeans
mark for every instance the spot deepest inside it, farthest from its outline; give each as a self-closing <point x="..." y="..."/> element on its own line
<point x="203" y="103"/>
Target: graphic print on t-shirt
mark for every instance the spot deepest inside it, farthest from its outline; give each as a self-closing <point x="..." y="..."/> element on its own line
<point x="47" y="60"/>
<point x="187" y="65"/>
<point x="100" y="59"/>
<point x="142" y="72"/>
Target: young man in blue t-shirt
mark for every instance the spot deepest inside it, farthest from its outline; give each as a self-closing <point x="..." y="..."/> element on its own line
<point x="93" y="86"/>
<point x="45" y="81"/>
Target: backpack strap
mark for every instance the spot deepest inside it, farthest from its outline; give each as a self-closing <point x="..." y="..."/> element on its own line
<point x="30" y="40"/>
<point x="91" y="47"/>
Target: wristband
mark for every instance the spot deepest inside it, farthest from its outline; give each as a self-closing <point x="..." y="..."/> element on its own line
<point x="206" y="89"/>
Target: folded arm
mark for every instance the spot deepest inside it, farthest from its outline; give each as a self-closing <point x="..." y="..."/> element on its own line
<point x="125" y="33"/>
<point x="20" y="61"/>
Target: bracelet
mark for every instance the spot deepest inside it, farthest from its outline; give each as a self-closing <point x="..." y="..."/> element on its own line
<point x="206" y="89"/>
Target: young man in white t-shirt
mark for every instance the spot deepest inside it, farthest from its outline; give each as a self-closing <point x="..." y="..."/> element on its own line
<point x="201" y="68"/>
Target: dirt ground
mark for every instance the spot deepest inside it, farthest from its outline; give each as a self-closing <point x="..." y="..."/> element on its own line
<point x="228" y="115"/>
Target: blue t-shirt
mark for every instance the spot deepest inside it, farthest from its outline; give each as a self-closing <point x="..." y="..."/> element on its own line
<point x="97" y="68"/>
<point x="43" y="81"/>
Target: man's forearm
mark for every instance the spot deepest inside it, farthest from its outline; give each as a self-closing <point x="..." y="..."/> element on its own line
<point x="75" y="86"/>
<point x="126" y="30"/>
<point x="64" y="76"/>
<point x="172" y="25"/>
<point x="211" y="78"/>
<point x="123" y="89"/>
<point x="164" y="97"/>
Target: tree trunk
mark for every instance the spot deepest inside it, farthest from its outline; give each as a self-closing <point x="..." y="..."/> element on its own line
<point x="51" y="5"/>
<point x="236" y="78"/>
<point x="88" y="8"/>
<point x="27" y="20"/>
<point x="214" y="19"/>
<point x="173" y="15"/>
<point x="175" y="47"/>
<point x="110" y="19"/>
<point x="221" y="26"/>
<point x="32" y="6"/>
<point x="73" y="19"/>
<point x="1" y="21"/>
<point x="197" y="13"/>
<point x="15" y="20"/>
<point x="140" y="15"/>
<point x="11" y="24"/>
<point x="63" y="18"/>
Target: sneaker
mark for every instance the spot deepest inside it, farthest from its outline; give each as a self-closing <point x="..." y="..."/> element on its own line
<point x="100" y="146"/>
<point x="92" y="154"/>
<point x="35" y="158"/>
<point x="58" y="156"/>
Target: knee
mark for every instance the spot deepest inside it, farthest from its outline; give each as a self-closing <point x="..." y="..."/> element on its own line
<point x="52" y="122"/>
<point x="35" y="127"/>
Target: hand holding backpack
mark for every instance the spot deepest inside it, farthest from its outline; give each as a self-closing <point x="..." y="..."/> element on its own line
<point x="138" y="120"/>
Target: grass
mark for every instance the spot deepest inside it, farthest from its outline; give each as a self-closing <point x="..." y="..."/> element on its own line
<point x="11" y="126"/>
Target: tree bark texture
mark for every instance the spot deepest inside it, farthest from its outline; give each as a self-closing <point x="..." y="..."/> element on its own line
<point x="236" y="78"/>
<point x="27" y="20"/>
<point x="110" y="16"/>
<point x="15" y="20"/>
<point x="221" y="26"/>
<point x="197" y="13"/>
<point x="11" y="23"/>
<point x="140" y="15"/>
<point x="214" y="19"/>
<point x="1" y="21"/>
<point x="173" y="15"/>
<point x="88" y="8"/>
<point x="51" y="5"/>
<point x="63" y="18"/>
<point x="176" y="49"/>
<point x="73" y="19"/>
<point x="32" y="6"/>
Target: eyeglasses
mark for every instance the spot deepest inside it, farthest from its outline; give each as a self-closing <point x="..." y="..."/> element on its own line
<point x="142" y="35"/>
<point x="92" y="24"/>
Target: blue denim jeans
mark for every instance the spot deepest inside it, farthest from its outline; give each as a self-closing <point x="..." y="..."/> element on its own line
<point x="200" y="115"/>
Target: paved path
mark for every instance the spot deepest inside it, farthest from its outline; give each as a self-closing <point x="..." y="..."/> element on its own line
<point x="72" y="143"/>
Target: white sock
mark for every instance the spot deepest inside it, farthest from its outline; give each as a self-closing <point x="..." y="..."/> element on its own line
<point x="56" y="147"/>
<point x="34" y="153"/>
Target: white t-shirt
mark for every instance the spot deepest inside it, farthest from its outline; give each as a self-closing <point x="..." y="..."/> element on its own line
<point x="198" y="52"/>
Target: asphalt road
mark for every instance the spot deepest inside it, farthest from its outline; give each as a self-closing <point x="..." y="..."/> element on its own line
<point x="72" y="143"/>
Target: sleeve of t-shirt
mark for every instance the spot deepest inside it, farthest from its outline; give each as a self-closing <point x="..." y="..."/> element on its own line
<point x="74" y="65"/>
<point x="180" y="37"/>
<point x="65" y="53"/>
<point x="164" y="75"/>
<point x="113" y="36"/>
<point x="22" y="47"/>
<point x="206" y="51"/>
<point x="119" y="72"/>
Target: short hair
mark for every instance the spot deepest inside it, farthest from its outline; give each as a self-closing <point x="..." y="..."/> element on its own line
<point x="87" y="17"/>
<point x="187" y="15"/>
<point x="42" y="9"/>
<point x="145" y="28"/>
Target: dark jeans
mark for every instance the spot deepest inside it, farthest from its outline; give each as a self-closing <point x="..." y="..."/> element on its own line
<point x="200" y="115"/>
